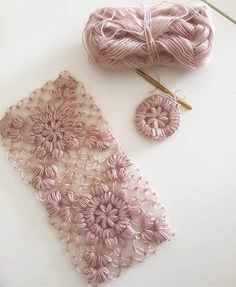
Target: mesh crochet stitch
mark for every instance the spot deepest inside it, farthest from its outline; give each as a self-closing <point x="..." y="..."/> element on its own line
<point x="106" y="213"/>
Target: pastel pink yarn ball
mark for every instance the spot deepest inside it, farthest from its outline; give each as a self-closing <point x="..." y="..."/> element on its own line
<point x="158" y="116"/>
<point x="143" y="37"/>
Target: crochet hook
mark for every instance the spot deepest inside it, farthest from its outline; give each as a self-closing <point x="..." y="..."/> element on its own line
<point x="162" y="88"/>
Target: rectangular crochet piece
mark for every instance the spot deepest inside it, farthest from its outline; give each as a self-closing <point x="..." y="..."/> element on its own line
<point x="106" y="214"/>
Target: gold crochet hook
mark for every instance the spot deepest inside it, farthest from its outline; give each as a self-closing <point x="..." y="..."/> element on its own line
<point x="163" y="89"/>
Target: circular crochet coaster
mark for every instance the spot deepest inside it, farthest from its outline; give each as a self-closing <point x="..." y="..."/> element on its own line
<point x="158" y="116"/>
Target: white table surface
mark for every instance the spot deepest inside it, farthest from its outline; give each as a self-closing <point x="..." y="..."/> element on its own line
<point x="194" y="171"/>
<point x="227" y="6"/>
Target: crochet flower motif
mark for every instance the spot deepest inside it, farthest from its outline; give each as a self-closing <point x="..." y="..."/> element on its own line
<point x="98" y="139"/>
<point x="12" y="127"/>
<point x="96" y="275"/>
<point x="96" y="272"/>
<point x="158" y="116"/>
<point x="118" y="168"/>
<point x="43" y="176"/>
<point x="65" y="82"/>
<point x="105" y="212"/>
<point x="154" y="229"/>
<point x="65" y="88"/>
<point x="54" y="130"/>
<point x="96" y="258"/>
<point x="105" y="217"/>
<point x="62" y="204"/>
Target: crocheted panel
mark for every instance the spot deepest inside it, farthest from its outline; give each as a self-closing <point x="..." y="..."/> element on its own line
<point x="106" y="213"/>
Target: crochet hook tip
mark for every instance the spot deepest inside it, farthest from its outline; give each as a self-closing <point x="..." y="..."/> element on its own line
<point x="184" y="104"/>
<point x="164" y="89"/>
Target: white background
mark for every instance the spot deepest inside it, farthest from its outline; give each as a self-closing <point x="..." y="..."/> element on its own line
<point x="194" y="170"/>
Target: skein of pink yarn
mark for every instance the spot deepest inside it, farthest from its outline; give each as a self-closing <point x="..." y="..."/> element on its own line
<point x="143" y="37"/>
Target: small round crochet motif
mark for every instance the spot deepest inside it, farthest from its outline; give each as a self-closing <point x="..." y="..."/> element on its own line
<point x="158" y="116"/>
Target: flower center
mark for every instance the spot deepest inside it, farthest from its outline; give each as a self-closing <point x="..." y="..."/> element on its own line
<point x="53" y="130"/>
<point x="106" y="215"/>
<point x="157" y="117"/>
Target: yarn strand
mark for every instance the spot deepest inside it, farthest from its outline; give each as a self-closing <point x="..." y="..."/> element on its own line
<point x="142" y="37"/>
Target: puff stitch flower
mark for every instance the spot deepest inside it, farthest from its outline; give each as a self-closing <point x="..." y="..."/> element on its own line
<point x="96" y="275"/>
<point x="105" y="212"/>
<point x="54" y="129"/>
<point x="98" y="139"/>
<point x="105" y="216"/>
<point x="97" y="258"/>
<point x="154" y="229"/>
<point x="65" y="81"/>
<point x="158" y="116"/>
<point x="12" y="126"/>
<point x="62" y="203"/>
<point x="117" y="170"/>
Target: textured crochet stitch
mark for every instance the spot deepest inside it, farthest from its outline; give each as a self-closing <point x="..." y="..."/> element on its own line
<point x="106" y="213"/>
<point x="158" y="116"/>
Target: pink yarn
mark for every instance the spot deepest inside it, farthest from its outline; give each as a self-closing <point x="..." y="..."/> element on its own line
<point x="144" y="37"/>
<point x="106" y="213"/>
<point x="158" y="116"/>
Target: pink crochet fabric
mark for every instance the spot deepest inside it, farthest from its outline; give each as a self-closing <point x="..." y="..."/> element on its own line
<point x="106" y="214"/>
<point x="158" y="116"/>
